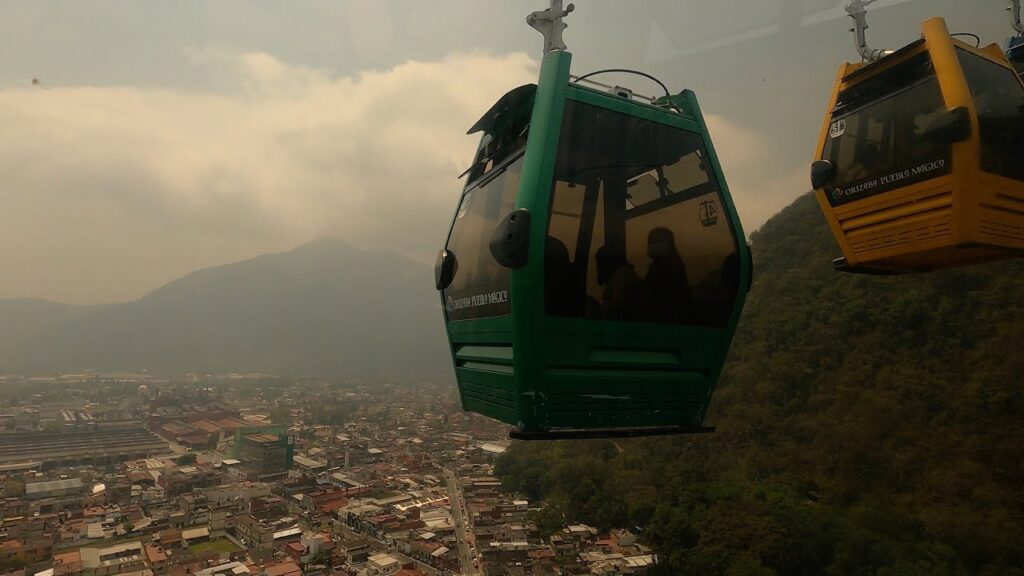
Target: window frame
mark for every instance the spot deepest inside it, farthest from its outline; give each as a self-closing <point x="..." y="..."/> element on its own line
<point x="482" y="181"/>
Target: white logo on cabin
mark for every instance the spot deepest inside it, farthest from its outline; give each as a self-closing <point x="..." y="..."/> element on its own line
<point x="837" y="129"/>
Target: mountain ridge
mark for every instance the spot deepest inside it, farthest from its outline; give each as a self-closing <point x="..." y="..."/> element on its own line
<point x="287" y="312"/>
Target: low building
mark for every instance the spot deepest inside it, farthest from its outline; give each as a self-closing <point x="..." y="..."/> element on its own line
<point x="263" y="532"/>
<point x="285" y="568"/>
<point x="229" y="569"/>
<point x="189" y="478"/>
<point x="309" y="464"/>
<point x="67" y="564"/>
<point x="355" y="553"/>
<point x="237" y="494"/>
<point x="156" y="558"/>
<point x="111" y="560"/>
<point x="196" y="535"/>
<point x="79" y="447"/>
<point x="55" y="488"/>
<point x="382" y="565"/>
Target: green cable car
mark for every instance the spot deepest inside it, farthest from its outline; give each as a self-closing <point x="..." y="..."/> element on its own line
<point x="595" y="268"/>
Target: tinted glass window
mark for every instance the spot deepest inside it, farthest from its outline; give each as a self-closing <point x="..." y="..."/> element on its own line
<point x="999" y="100"/>
<point x="876" y="137"/>
<point x="479" y="288"/>
<point x="1015" y="54"/>
<point x="635" y="232"/>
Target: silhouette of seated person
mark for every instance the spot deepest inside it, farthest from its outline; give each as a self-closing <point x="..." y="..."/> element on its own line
<point x="870" y="159"/>
<point x="924" y="147"/>
<point x="560" y="298"/>
<point x="620" y="286"/>
<point x="722" y="297"/>
<point x="666" y="287"/>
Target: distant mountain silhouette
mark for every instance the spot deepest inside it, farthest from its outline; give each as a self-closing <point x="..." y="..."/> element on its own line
<point x="324" y="308"/>
<point x="22" y="319"/>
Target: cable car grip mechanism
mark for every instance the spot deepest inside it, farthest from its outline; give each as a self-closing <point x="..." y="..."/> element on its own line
<point x="857" y="9"/>
<point x="549" y="24"/>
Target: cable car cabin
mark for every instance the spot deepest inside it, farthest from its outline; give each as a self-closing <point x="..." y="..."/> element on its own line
<point x="595" y="268"/>
<point x="1015" y="53"/>
<point x="921" y="158"/>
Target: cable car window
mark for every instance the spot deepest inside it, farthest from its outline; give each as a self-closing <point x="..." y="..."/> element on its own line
<point x="566" y="215"/>
<point x="878" y="139"/>
<point x="999" y="101"/>
<point x="479" y="288"/>
<point x="645" y="240"/>
<point x="660" y="182"/>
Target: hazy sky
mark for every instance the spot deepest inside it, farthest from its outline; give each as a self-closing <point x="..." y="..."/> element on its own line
<point x="170" y="136"/>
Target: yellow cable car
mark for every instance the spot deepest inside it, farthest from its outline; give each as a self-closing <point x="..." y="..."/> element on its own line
<point x="921" y="156"/>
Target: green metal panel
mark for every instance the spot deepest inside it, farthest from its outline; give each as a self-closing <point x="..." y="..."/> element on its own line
<point x="688" y="102"/>
<point x="482" y="352"/>
<point x="482" y="330"/>
<point x="686" y="120"/>
<point x="527" y="292"/>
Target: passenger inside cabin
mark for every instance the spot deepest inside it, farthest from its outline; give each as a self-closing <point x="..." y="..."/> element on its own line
<point x="667" y="296"/>
<point x="559" y="280"/>
<point x="869" y="160"/>
<point x="621" y="292"/>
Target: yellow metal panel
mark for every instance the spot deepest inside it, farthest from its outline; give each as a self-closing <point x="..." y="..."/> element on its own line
<point x="966" y="154"/>
<point x="826" y="208"/>
<point x="1001" y="211"/>
<point x="942" y="200"/>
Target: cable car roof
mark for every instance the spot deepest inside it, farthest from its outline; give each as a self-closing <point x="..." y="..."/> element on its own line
<point x="870" y="67"/>
<point x="505" y="110"/>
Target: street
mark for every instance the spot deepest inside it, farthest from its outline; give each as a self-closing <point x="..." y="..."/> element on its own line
<point x="466" y="557"/>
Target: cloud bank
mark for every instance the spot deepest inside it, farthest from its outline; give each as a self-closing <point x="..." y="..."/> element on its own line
<point x="108" y="192"/>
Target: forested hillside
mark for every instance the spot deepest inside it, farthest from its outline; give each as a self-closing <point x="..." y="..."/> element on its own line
<point x="866" y="425"/>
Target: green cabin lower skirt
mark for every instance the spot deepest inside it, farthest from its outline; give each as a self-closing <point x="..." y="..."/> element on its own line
<point x="603" y="379"/>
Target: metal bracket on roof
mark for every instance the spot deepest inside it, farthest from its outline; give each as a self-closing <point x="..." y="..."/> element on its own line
<point x="549" y="24"/>
<point x="857" y="9"/>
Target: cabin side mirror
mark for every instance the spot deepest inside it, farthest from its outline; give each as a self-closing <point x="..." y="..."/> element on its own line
<point x="444" y="269"/>
<point x="822" y="171"/>
<point x="510" y="243"/>
<point x="950" y="126"/>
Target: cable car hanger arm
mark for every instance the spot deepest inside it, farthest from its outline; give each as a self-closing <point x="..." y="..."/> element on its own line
<point x="1014" y="9"/>
<point x="549" y="24"/>
<point x="857" y="9"/>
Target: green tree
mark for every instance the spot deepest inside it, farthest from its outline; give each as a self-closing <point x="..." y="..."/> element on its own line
<point x="281" y="415"/>
<point x="548" y="521"/>
<point x="14" y="489"/>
